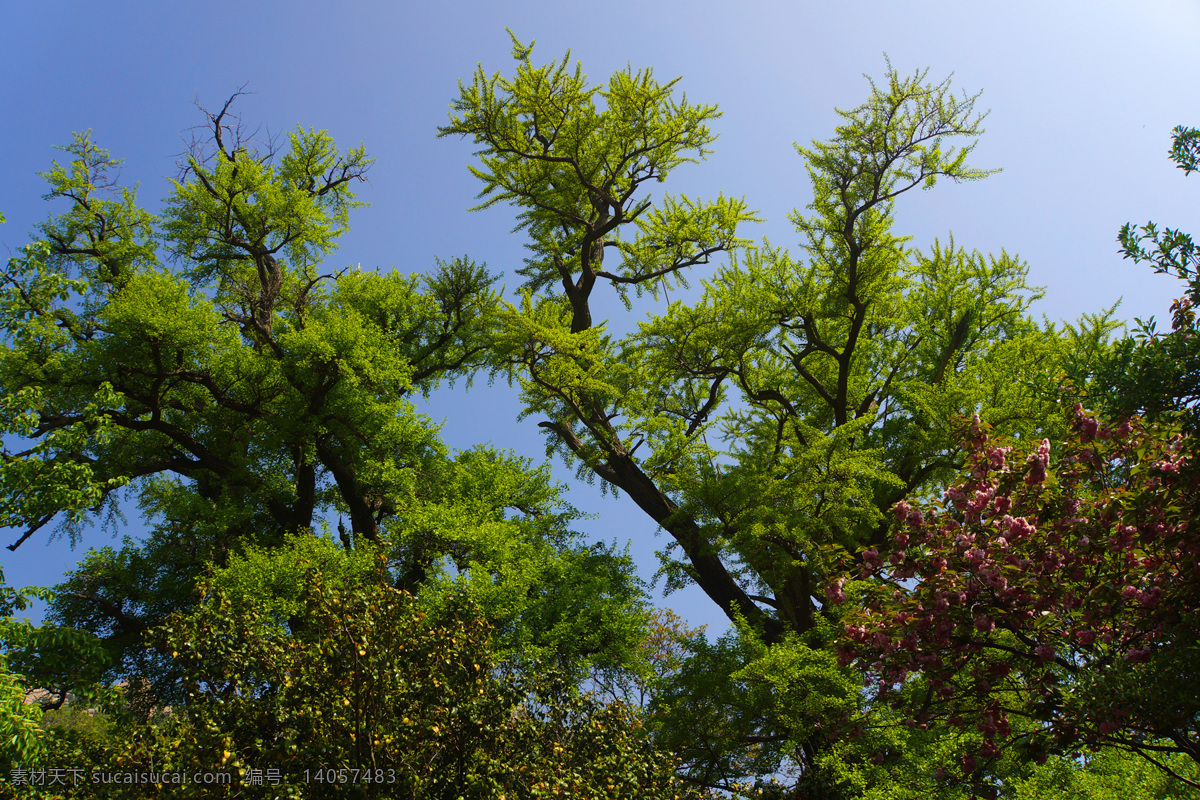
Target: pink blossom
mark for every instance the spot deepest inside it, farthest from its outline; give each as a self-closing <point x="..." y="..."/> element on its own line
<point x="980" y="500"/>
<point x="976" y="429"/>
<point x="1020" y="527"/>
<point x="1037" y="464"/>
<point x="1000" y="668"/>
<point x="834" y="592"/>
<point x="1044" y="652"/>
<point x="995" y="456"/>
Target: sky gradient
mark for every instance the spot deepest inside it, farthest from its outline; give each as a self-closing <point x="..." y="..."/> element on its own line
<point x="1083" y="96"/>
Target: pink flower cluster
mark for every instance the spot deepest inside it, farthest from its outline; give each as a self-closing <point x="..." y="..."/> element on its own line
<point x="1024" y="583"/>
<point x="1039" y="461"/>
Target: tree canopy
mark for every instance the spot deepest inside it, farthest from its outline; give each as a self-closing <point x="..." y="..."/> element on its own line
<point x="204" y="365"/>
<point x="768" y="426"/>
<point x="324" y="580"/>
<point x="1154" y="373"/>
<point x="375" y="695"/>
<point x="1057" y="582"/>
<point x="1058" y="587"/>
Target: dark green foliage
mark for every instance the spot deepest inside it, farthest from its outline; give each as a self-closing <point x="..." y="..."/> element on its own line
<point x="367" y="683"/>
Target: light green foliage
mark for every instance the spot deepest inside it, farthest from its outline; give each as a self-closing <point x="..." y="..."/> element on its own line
<point x="749" y="705"/>
<point x="36" y="483"/>
<point x="573" y="167"/>
<point x="768" y="425"/>
<point x="765" y="722"/>
<point x="664" y="648"/>
<point x="1108" y="775"/>
<point x="104" y="237"/>
<point x="549" y="602"/>
<point x="59" y="662"/>
<point x="240" y="205"/>
<point x="244" y="393"/>
<point x="247" y="378"/>
<point x="271" y="579"/>
<point x="21" y="738"/>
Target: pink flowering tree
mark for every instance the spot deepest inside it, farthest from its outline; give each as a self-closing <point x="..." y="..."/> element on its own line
<point x="1050" y="600"/>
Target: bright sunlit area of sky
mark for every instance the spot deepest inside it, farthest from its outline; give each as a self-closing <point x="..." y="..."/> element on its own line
<point x="1083" y="96"/>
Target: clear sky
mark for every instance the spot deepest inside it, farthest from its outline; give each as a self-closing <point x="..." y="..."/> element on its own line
<point x="1083" y="96"/>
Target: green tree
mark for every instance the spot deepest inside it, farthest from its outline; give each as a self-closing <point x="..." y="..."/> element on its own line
<point x="769" y="425"/>
<point x="1106" y="775"/>
<point x="1156" y="373"/>
<point x="204" y="362"/>
<point x="343" y="686"/>
<point x="1059" y="589"/>
<point x="21" y="739"/>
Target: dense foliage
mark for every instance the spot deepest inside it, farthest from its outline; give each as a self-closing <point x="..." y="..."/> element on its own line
<point x="353" y="690"/>
<point x="788" y="429"/>
<point x="240" y="395"/>
<point x="768" y="426"/>
<point x="1063" y="590"/>
<point x="1057" y="584"/>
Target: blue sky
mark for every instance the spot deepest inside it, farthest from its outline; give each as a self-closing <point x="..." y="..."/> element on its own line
<point x="1083" y="96"/>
